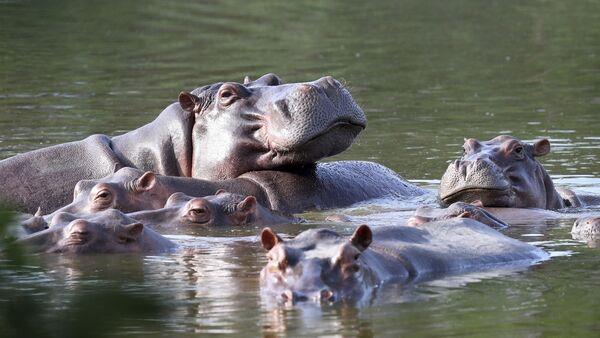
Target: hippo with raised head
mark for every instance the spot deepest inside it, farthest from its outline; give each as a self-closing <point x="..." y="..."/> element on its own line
<point x="217" y="132"/>
<point x="323" y="265"/>
<point x="108" y="231"/>
<point x="183" y="212"/>
<point x="505" y="172"/>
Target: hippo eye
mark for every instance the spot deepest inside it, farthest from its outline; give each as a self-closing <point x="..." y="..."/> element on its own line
<point x="103" y="195"/>
<point x="126" y="239"/>
<point x="356" y="256"/>
<point x="197" y="211"/>
<point x="519" y="150"/>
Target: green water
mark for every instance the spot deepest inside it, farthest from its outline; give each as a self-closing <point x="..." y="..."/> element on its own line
<point x="427" y="73"/>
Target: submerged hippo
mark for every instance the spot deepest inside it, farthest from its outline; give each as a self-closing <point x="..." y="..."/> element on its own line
<point x="504" y="172"/>
<point x="455" y="210"/>
<point x="222" y="209"/>
<point x="322" y="265"/>
<point x="328" y="185"/>
<point x="108" y="231"/>
<point x="587" y="229"/>
<point x="218" y="132"/>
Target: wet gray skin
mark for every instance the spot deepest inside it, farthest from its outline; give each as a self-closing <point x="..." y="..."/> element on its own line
<point x="218" y="131"/>
<point x="457" y="209"/>
<point x="183" y="212"/>
<point x="321" y="265"/>
<point x="108" y="231"/>
<point x="327" y="185"/>
<point x="586" y="229"/>
<point x="504" y="172"/>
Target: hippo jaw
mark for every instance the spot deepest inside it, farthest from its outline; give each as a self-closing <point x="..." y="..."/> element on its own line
<point x="265" y="125"/>
<point x="488" y="196"/>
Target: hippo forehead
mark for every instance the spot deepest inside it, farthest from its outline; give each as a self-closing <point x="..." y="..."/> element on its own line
<point x="495" y="145"/>
<point x="316" y="243"/>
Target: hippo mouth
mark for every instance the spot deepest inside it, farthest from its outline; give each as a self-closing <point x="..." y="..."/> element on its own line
<point x="329" y="142"/>
<point x="489" y="197"/>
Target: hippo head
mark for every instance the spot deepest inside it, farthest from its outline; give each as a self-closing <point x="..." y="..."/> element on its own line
<point x="223" y="208"/>
<point x="265" y="124"/>
<point x="127" y="189"/>
<point x="502" y="172"/>
<point x="109" y="231"/>
<point x="316" y="265"/>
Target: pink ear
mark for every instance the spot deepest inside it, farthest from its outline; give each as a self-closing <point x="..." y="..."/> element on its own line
<point x="146" y="181"/>
<point x="362" y="237"/>
<point x="269" y="239"/>
<point x="188" y="101"/>
<point x="541" y="147"/>
<point x="247" y="205"/>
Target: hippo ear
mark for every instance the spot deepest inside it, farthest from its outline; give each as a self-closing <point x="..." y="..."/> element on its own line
<point x="220" y="191"/>
<point x="541" y="147"/>
<point x="269" y="239"/>
<point x="247" y="80"/>
<point x="145" y="182"/>
<point x="134" y="229"/>
<point x="362" y="237"/>
<point x="248" y="205"/>
<point x="189" y="102"/>
<point x="269" y="79"/>
<point x="117" y="166"/>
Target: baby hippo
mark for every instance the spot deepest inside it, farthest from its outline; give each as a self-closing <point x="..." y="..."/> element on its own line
<point x="131" y="190"/>
<point x="455" y="210"/>
<point x="587" y="229"/>
<point x="108" y="231"/>
<point x="221" y="209"/>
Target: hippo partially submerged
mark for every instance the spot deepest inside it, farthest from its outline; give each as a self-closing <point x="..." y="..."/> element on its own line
<point x="265" y="131"/>
<point x="455" y="210"/>
<point x="504" y="172"/>
<point x="322" y="265"/>
<point x="328" y="185"/>
<point x="108" y="231"/>
<point x="182" y="212"/>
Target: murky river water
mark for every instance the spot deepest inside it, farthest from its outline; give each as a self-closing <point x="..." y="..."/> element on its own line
<point x="427" y="74"/>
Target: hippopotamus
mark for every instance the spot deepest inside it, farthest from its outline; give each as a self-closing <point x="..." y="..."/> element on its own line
<point x="221" y="209"/>
<point x="505" y="172"/>
<point x="320" y="264"/>
<point x="327" y="185"/>
<point x="455" y="210"/>
<point x="587" y="229"/>
<point x="217" y="131"/>
<point x="108" y="231"/>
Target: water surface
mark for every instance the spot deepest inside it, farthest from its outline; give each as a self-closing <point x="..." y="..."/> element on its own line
<point x="428" y="74"/>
